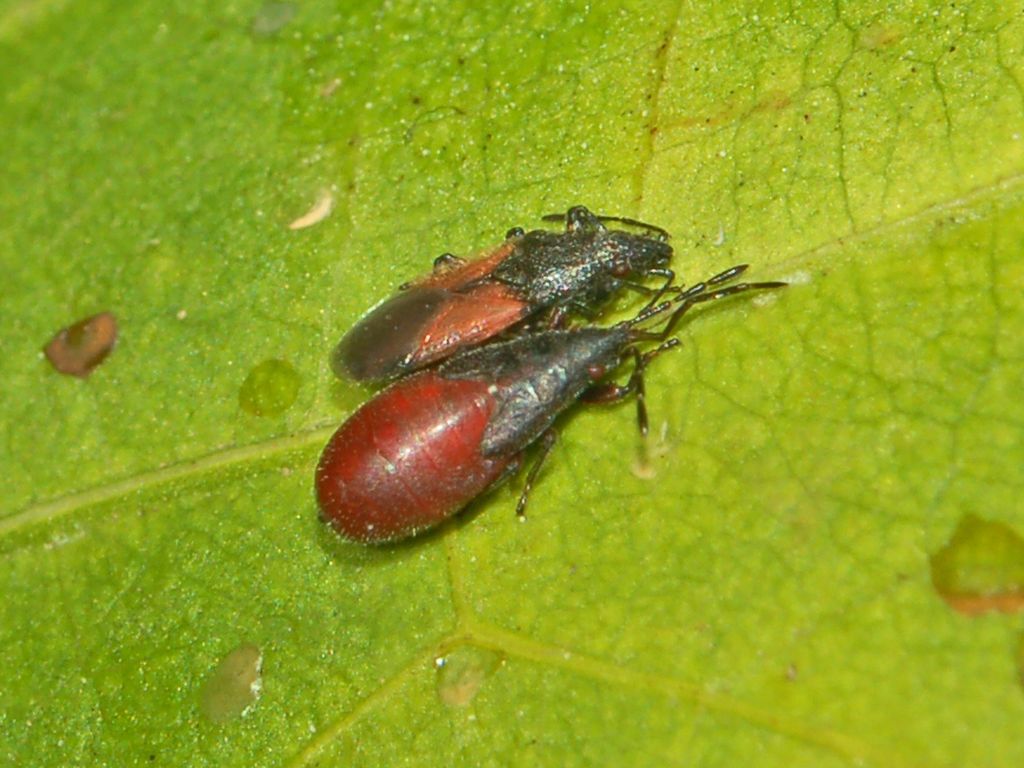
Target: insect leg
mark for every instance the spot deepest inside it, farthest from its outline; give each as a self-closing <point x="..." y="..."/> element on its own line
<point x="447" y="261"/>
<point x="646" y="290"/>
<point x="584" y="310"/>
<point x="547" y="442"/>
<point x="656" y="294"/>
<point x="559" y="318"/>
<point x="610" y="392"/>
<point x="513" y="467"/>
<point x="442" y="264"/>
<point x="659" y="231"/>
<point x="576" y="219"/>
<point x="667" y="287"/>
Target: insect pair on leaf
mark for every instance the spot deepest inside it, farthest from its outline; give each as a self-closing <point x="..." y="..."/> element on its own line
<point x="431" y="442"/>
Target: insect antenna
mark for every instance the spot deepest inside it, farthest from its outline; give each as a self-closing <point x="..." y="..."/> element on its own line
<point x="662" y="233"/>
<point x="687" y="298"/>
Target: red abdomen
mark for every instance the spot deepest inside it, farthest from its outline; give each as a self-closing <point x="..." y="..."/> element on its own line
<point x="407" y="459"/>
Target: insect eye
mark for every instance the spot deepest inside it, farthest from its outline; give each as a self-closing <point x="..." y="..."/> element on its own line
<point x="621" y="269"/>
<point x="596" y="371"/>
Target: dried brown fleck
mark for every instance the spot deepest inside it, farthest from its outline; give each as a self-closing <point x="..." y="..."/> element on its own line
<point x="77" y="349"/>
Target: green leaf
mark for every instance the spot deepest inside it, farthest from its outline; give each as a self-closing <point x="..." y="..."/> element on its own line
<point x="758" y="591"/>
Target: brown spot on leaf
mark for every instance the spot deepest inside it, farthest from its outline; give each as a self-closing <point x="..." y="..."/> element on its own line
<point x="79" y="348"/>
<point x="981" y="568"/>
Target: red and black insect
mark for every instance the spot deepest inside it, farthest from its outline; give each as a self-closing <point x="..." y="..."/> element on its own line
<point x="430" y="443"/>
<point x="465" y="302"/>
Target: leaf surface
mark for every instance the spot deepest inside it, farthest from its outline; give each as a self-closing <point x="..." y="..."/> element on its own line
<point x="757" y="589"/>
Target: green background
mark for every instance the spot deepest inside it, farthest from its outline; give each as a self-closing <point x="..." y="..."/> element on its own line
<point x="765" y="598"/>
